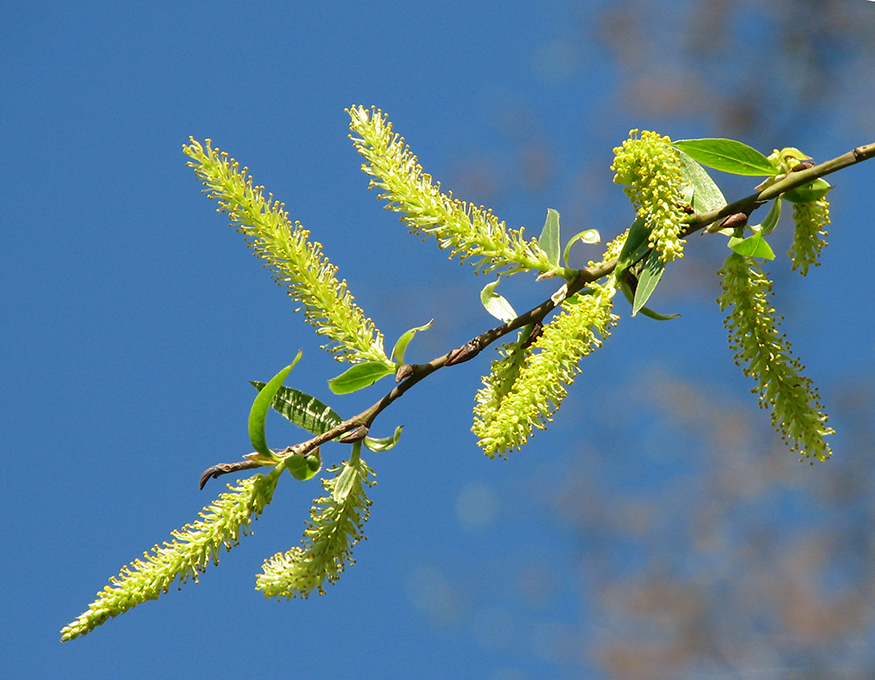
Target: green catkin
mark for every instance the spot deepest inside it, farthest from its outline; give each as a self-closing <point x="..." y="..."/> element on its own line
<point x="767" y="358"/>
<point x="506" y="418"/>
<point x="296" y="262"/>
<point x="193" y="547"/>
<point x="651" y="170"/>
<point x="810" y="235"/>
<point x="468" y="232"/>
<point x="336" y="525"/>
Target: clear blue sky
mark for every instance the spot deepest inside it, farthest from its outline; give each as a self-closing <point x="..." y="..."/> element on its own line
<point x="132" y="317"/>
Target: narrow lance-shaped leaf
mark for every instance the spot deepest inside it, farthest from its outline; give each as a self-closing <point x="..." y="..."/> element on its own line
<point x="771" y="221"/>
<point x="647" y="282"/>
<point x="635" y="247"/>
<point x="549" y="239"/>
<point x="401" y="346"/>
<point x="646" y="311"/>
<point x="303" y="410"/>
<point x="260" y="407"/>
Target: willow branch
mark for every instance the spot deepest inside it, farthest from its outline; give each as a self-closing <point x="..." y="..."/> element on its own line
<point x="409" y="375"/>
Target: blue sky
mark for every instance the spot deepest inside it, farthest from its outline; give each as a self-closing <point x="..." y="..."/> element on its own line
<point x="133" y="317"/>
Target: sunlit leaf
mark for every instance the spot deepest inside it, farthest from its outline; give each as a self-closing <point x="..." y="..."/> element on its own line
<point x="496" y="304"/>
<point x="645" y="311"/>
<point x="260" y="407"/>
<point x="635" y="248"/>
<point x="304" y="466"/>
<point x="588" y="236"/>
<point x="401" y="346"/>
<point x="549" y="239"/>
<point x="647" y="281"/>
<point x="303" y="410"/>
<point x="807" y="193"/>
<point x="706" y="194"/>
<point x="727" y="155"/>
<point x="347" y="477"/>
<point x="359" y="376"/>
<point x="771" y="221"/>
<point x="649" y="313"/>
<point x="385" y="443"/>
<point x="752" y="246"/>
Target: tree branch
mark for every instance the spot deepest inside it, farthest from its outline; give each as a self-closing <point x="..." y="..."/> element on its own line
<point x="409" y="375"/>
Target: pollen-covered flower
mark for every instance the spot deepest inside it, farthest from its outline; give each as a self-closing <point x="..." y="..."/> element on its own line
<point x="767" y="358"/>
<point x="810" y="235"/>
<point x="651" y="169"/>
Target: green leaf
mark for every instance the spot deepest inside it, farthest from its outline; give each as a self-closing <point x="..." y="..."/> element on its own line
<point x="360" y="376"/>
<point x="646" y="311"/>
<point x="304" y="466"/>
<point x="647" y="282"/>
<point x="347" y="477"/>
<point x="635" y="248"/>
<point x="727" y="155"/>
<point x="656" y="315"/>
<point x="401" y="346"/>
<point x="496" y="304"/>
<point x="627" y="291"/>
<point x="549" y="239"/>
<point x="590" y="236"/>
<point x="385" y="443"/>
<point x="260" y="407"/>
<point x="813" y="191"/>
<point x="706" y="194"/>
<point x="771" y="221"/>
<point x="752" y="246"/>
<point x="303" y="410"/>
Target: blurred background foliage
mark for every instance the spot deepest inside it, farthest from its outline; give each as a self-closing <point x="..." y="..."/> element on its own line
<point x="699" y="550"/>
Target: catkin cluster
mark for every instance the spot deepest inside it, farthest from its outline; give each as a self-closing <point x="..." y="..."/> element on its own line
<point x="298" y="263"/>
<point x="466" y="231"/>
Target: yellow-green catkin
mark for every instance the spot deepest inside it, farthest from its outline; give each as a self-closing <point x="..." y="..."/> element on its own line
<point x="766" y="357"/>
<point x="811" y="218"/>
<point x="650" y="169"/>
<point x="466" y="231"/>
<point x="193" y="547"/>
<point x="506" y="418"/>
<point x="298" y="264"/>
<point x="336" y="525"/>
